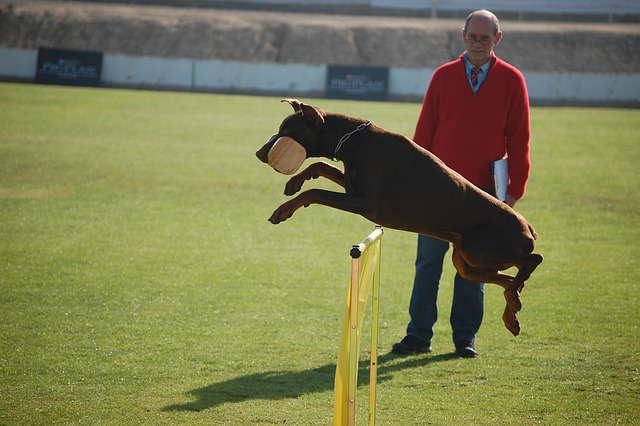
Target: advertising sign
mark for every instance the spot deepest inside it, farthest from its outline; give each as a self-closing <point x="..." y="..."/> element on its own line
<point x="358" y="83"/>
<point x="68" y="67"/>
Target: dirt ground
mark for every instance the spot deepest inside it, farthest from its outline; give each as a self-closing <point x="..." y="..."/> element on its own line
<point x="281" y="37"/>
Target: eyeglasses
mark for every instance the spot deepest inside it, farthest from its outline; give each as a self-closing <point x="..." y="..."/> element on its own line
<point x="482" y="40"/>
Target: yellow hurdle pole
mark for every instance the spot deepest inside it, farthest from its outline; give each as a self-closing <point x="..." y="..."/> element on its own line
<point x="356" y="252"/>
<point x="373" y="362"/>
<point x="353" y="341"/>
<point x="353" y="332"/>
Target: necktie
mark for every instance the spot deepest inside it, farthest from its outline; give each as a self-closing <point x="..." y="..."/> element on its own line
<point x="474" y="76"/>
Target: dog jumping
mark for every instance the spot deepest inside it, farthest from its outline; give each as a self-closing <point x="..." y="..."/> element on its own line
<point x="395" y="183"/>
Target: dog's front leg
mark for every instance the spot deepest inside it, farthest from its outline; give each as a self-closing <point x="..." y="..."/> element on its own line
<point x="340" y="201"/>
<point x="314" y="171"/>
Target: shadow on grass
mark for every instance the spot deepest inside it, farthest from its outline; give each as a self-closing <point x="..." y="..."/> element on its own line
<point x="273" y="385"/>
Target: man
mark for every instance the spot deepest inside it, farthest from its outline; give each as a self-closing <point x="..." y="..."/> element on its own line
<point x="475" y="111"/>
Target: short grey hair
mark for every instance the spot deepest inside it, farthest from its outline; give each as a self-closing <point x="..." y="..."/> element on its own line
<point x="495" y="24"/>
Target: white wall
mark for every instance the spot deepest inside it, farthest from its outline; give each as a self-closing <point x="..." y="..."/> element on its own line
<point x="300" y="79"/>
<point x="608" y="88"/>
<point x="258" y="77"/>
<point x="18" y="63"/>
<point x="609" y="8"/>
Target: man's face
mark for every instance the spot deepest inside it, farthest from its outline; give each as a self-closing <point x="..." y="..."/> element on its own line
<point x="479" y="39"/>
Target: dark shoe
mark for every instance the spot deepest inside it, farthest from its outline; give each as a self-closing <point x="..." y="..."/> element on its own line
<point x="411" y="345"/>
<point x="466" y="350"/>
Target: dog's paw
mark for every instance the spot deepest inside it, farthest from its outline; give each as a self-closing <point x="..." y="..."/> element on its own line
<point x="513" y="300"/>
<point x="511" y="321"/>
<point x="280" y="215"/>
<point x="293" y="186"/>
<point x="274" y="220"/>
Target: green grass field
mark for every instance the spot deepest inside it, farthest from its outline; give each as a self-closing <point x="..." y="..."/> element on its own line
<point x="140" y="282"/>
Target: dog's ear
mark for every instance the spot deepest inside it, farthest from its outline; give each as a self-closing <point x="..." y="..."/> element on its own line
<point x="294" y="103"/>
<point x="313" y="115"/>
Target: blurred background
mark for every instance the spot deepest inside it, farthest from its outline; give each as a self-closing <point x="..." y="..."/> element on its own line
<point x="571" y="52"/>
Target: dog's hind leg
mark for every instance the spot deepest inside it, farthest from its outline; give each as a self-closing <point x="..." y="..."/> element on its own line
<point x="491" y="276"/>
<point x="512" y="285"/>
<point x="512" y="293"/>
<point x="314" y="171"/>
<point x="479" y="274"/>
<point x="525" y="268"/>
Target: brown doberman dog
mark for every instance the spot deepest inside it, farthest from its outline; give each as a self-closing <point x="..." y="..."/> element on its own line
<point x="395" y="183"/>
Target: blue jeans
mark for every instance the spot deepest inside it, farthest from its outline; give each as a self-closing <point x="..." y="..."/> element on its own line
<point x="468" y="296"/>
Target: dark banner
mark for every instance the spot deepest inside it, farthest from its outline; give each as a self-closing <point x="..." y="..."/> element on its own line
<point x="68" y="67"/>
<point x="359" y="83"/>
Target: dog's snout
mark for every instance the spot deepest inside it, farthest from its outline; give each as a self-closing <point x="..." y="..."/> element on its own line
<point x="263" y="153"/>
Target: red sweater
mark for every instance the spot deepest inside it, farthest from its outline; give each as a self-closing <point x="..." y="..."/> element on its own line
<point x="468" y="131"/>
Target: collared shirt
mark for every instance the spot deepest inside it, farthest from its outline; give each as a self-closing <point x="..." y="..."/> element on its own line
<point x="481" y="76"/>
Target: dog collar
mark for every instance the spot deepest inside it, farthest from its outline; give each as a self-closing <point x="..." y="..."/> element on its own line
<point x="347" y="136"/>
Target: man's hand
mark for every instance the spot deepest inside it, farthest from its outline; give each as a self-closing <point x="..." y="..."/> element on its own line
<point x="510" y="201"/>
